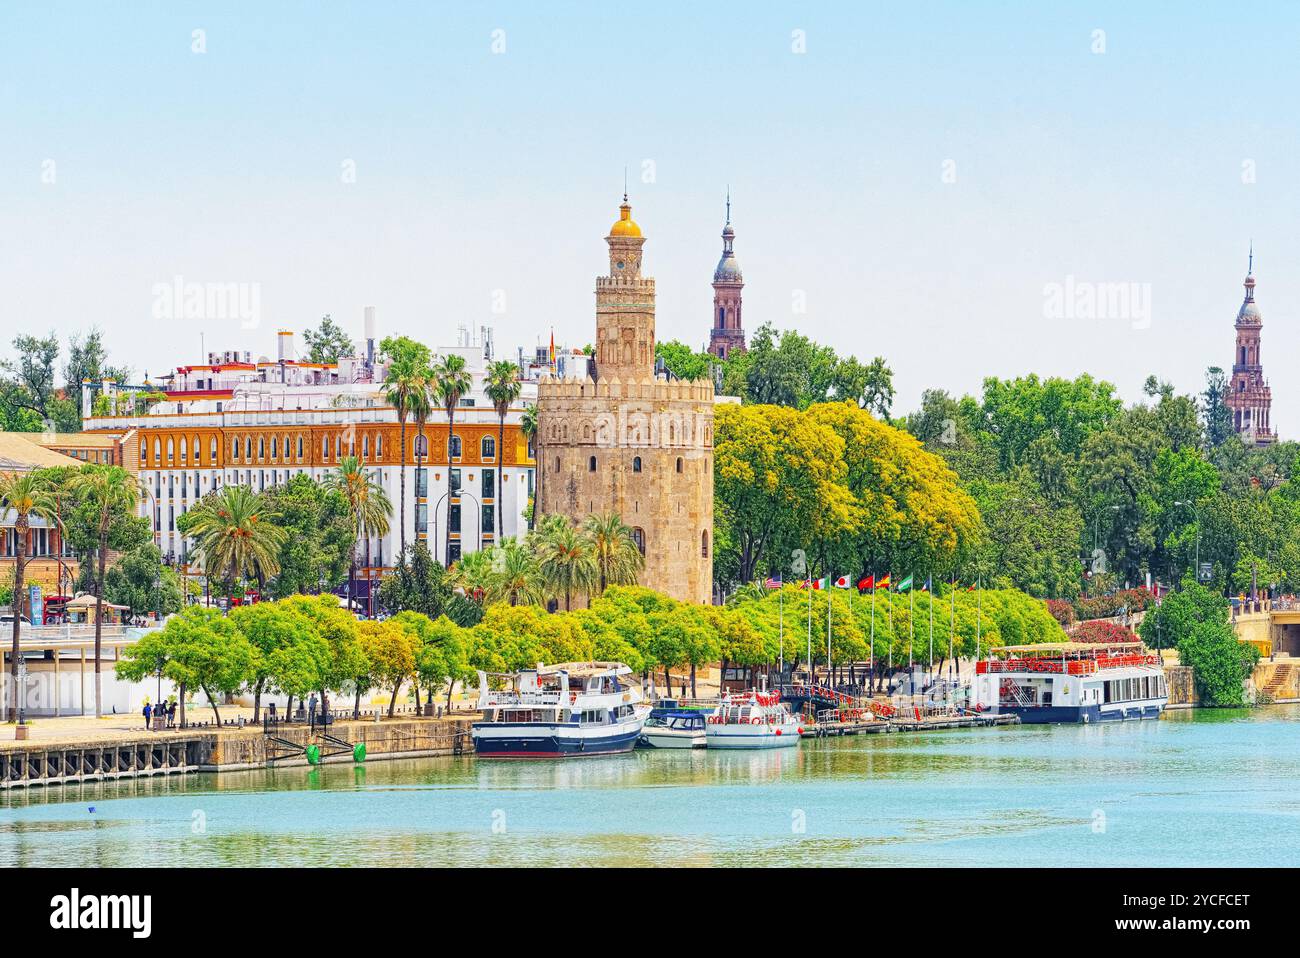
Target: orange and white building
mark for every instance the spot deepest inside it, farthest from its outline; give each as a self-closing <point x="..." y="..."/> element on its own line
<point x="260" y="422"/>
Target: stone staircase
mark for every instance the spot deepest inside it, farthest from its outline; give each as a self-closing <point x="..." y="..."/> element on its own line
<point x="1281" y="681"/>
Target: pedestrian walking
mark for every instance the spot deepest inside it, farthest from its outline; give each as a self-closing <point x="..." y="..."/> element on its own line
<point x="147" y="711"/>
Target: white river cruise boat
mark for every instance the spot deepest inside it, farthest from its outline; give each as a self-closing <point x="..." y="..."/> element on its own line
<point x="752" y="720"/>
<point x="1072" y="682"/>
<point x="558" y="711"/>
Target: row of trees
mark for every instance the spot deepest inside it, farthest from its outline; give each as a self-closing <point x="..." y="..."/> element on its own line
<point x="36" y="395"/>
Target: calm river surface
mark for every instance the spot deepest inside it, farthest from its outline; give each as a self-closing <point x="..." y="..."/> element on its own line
<point x="1196" y="788"/>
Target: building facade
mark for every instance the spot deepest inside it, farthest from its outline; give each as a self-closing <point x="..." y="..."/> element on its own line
<point x="728" y="333"/>
<point x="233" y="420"/>
<point x="1249" y="398"/>
<point x="629" y="442"/>
<point x="50" y="563"/>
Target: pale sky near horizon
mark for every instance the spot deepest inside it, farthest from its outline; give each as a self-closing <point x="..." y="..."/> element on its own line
<point x="920" y="175"/>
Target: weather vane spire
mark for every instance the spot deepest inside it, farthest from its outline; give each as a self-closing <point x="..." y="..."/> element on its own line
<point x="728" y="202"/>
<point x="1250" y="263"/>
<point x="625" y="183"/>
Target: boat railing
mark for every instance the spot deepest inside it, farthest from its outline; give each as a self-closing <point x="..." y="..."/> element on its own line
<point x="1068" y="667"/>
<point x="499" y="699"/>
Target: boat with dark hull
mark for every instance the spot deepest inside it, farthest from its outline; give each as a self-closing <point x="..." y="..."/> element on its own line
<point x="571" y="710"/>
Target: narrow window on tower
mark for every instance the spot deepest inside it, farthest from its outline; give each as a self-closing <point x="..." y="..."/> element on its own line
<point x="591" y="464"/>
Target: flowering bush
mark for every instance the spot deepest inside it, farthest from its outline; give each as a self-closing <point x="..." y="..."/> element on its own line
<point x="1062" y="611"/>
<point x="1105" y="606"/>
<point x="1103" y="632"/>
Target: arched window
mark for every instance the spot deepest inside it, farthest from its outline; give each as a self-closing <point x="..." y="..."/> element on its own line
<point x="171" y="450"/>
<point x="455" y="447"/>
<point x="638" y="536"/>
<point x="704" y="544"/>
<point x="300" y="448"/>
<point x="489" y="447"/>
<point x="636" y="464"/>
<point x="557" y="463"/>
<point x="157" y="452"/>
<point x="722" y="316"/>
<point x="379" y="447"/>
<point x="261" y="448"/>
<point x="365" y="447"/>
<point x="422" y="446"/>
<point x="591" y="464"/>
<point x="679" y="463"/>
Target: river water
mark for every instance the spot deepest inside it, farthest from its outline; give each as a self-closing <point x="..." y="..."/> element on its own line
<point x="1204" y="788"/>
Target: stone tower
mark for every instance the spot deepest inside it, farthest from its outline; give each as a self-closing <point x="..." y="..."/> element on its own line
<point x="629" y="442"/>
<point x="1249" y="397"/>
<point x="728" y="333"/>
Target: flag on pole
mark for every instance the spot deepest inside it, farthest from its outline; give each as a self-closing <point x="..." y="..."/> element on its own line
<point x="819" y="583"/>
<point x="842" y="582"/>
<point x="904" y="585"/>
<point x="867" y="583"/>
<point x="552" y="347"/>
<point x="971" y="587"/>
<point x="883" y="581"/>
<point x="772" y="583"/>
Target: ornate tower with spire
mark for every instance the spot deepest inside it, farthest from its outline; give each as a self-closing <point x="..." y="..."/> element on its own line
<point x="629" y="442"/>
<point x="1249" y="397"/>
<point x="728" y="333"/>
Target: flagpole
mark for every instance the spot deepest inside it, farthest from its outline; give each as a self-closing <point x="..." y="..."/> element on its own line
<point x="780" y="605"/>
<point x="929" y="590"/>
<point x="911" y="625"/>
<point x="952" y="622"/>
<point x="811" y="680"/>
<point x="871" y="674"/>
<point x="828" y="636"/>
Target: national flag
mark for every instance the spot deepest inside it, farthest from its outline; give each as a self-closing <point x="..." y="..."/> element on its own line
<point x="772" y="583"/>
<point x="867" y="583"/>
<point x="883" y="582"/>
<point x="926" y="586"/>
<point x="819" y="583"/>
<point x="552" y="346"/>
<point x="842" y="582"/>
<point x="904" y="585"/>
<point x="971" y="587"/>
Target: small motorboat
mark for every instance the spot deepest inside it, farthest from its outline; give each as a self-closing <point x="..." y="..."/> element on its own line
<point x="674" y="728"/>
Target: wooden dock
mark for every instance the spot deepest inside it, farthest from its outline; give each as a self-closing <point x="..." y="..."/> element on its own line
<point x="926" y="724"/>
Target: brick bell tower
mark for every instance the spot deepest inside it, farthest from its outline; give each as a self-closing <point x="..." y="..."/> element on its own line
<point x="1249" y="397"/>
<point x="728" y="334"/>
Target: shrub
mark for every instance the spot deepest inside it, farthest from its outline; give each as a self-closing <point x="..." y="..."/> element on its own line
<point x="1105" y="632"/>
<point x="1062" y="611"/>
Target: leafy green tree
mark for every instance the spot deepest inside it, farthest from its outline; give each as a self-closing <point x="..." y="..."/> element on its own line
<point x="318" y="536"/>
<point x="1195" y="620"/>
<point x="198" y="648"/>
<point x="327" y="342"/>
<point x="684" y="362"/>
<point x="27" y="382"/>
<point x="291" y="656"/>
<point x="419" y="584"/>
<point x="140" y="581"/>
<point x="339" y="628"/>
<point x="516" y="575"/>
<point x="618" y="559"/>
<point x="368" y="507"/>
<point x="1218" y="417"/>
<point x="441" y="653"/>
<point x="391" y="650"/>
<point x="871" y="386"/>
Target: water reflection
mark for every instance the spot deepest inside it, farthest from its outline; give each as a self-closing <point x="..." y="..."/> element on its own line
<point x="1148" y="793"/>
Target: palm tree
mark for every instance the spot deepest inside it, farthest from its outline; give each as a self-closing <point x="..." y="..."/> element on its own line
<point x="617" y="556"/>
<point x="421" y="409"/>
<point x="474" y="572"/>
<point x="452" y="381"/>
<point x="528" y="426"/>
<point x="27" y="495"/>
<point x="368" y="504"/>
<point x="566" y="557"/>
<point x="399" y="390"/>
<point x="502" y="387"/>
<point x="110" y="493"/>
<point x="516" y="577"/>
<point x="236" y="536"/>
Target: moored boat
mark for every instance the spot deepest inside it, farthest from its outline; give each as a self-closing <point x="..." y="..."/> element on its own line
<point x="558" y="711"/>
<point x="752" y="720"/>
<point x="1072" y="682"/>
<point x="674" y="728"/>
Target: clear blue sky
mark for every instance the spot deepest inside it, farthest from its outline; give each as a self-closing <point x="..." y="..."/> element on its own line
<point x="478" y="171"/>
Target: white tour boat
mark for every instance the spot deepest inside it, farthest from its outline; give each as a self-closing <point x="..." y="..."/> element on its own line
<point x="673" y="728"/>
<point x="752" y="720"/>
<point x="559" y="711"/>
<point x="1072" y="682"/>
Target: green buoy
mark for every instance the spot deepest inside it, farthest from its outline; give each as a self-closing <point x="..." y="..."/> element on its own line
<point x="313" y="754"/>
<point x="359" y="752"/>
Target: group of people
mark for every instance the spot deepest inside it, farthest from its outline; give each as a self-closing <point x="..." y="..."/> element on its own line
<point x="166" y="710"/>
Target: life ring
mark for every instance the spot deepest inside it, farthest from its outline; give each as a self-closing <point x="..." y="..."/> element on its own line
<point x="573" y="697"/>
<point x="755" y="721"/>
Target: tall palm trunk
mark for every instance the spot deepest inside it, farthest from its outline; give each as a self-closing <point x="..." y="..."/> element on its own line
<point x="99" y="620"/>
<point x="20" y="567"/>
<point x="419" y="464"/>
<point x="501" y="493"/>
<point x="402" y="493"/>
<point x="451" y="435"/>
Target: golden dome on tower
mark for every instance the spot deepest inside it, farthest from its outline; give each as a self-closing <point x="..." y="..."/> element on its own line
<point x="625" y="226"/>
